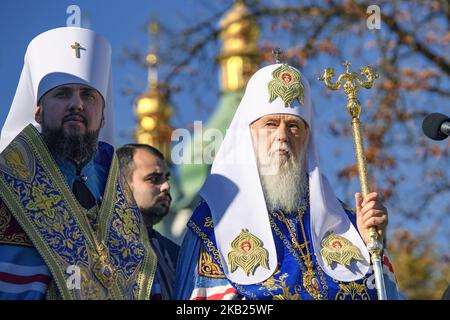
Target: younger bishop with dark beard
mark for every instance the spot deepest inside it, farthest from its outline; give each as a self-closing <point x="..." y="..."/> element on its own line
<point x="69" y="226"/>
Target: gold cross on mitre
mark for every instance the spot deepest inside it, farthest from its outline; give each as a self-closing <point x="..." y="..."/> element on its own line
<point x="277" y="54"/>
<point x="77" y="47"/>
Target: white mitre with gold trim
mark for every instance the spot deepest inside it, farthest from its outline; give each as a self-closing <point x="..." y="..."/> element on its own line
<point x="235" y="197"/>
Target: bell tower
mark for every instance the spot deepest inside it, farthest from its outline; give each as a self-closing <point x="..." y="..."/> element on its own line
<point x="153" y="110"/>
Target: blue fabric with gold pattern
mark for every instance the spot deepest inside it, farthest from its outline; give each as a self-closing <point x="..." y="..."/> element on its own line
<point x="292" y="280"/>
<point x="115" y="258"/>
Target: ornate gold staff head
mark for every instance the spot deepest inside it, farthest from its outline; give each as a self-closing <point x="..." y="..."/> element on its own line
<point x="350" y="86"/>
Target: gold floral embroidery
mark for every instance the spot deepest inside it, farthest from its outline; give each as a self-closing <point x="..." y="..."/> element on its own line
<point x="14" y="160"/>
<point x="8" y="237"/>
<point x="43" y="202"/>
<point x="207" y="267"/>
<point x="196" y="229"/>
<point x="128" y="194"/>
<point x="278" y="282"/>
<point x="353" y="290"/>
<point x="208" y="223"/>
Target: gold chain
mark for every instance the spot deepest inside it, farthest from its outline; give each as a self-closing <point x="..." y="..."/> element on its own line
<point x="310" y="280"/>
<point x="306" y="257"/>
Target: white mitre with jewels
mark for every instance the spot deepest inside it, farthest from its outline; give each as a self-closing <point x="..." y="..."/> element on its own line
<point x="56" y="57"/>
<point x="235" y="197"/>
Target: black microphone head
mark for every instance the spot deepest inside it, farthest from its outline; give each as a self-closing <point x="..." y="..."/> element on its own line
<point x="431" y="126"/>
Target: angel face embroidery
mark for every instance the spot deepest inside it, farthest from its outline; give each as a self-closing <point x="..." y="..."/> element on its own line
<point x="248" y="253"/>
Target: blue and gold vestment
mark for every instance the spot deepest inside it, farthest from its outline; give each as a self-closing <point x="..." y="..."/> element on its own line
<point x="200" y="271"/>
<point x="114" y="260"/>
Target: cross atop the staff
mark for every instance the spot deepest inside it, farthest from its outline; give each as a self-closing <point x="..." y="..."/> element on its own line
<point x="77" y="47"/>
<point x="347" y="66"/>
<point x="277" y="54"/>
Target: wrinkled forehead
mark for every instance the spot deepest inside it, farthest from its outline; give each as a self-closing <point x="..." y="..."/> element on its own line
<point x="280" y="117"/>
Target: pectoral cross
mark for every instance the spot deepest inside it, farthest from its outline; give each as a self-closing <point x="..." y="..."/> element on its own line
<point x="277" y="54"/>
<point x="77" y="47"/>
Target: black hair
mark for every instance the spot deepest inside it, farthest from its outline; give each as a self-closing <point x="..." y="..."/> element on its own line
<point x="126" y="154"/>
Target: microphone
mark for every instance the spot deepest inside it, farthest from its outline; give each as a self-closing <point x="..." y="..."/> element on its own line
<point x="436" y="126"/>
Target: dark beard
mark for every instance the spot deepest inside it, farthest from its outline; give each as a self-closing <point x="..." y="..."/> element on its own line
<point x="76" y="147"/>
<point x="153" y="215"/>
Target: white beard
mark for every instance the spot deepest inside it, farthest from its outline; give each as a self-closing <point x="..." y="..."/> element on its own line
<point x="284" y="180"/>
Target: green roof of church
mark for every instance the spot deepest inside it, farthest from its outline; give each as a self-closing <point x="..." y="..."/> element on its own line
<point x="192" y="176"/>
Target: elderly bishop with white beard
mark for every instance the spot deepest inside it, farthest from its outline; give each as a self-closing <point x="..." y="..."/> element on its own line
<point x="269" y="225"/>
